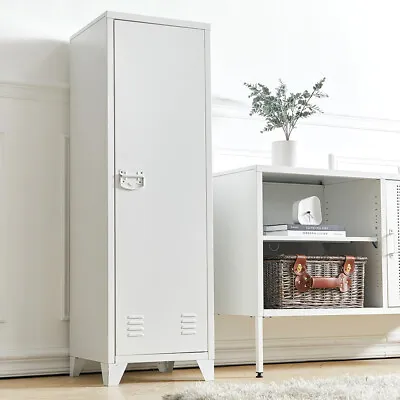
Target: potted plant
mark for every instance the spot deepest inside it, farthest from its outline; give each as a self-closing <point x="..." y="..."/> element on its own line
<point x="284" y="111"/>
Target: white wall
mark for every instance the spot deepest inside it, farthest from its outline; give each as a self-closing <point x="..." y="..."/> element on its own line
<point x="352" y="43"/>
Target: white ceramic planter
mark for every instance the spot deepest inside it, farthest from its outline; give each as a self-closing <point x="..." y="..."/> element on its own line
<point x="284" y="153"/>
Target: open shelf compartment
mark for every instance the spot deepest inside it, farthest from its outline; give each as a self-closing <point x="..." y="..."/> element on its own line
<point x="352" y="203"/>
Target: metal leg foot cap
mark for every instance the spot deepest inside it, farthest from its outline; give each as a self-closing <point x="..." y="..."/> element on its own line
<point x="259" y="375"/>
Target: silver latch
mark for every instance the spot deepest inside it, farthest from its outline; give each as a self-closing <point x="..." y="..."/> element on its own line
<point x="131" y="182"/>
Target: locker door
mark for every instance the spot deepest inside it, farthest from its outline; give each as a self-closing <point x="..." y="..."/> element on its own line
<point x="393" y="241"/>
<point x="161" y="263"/>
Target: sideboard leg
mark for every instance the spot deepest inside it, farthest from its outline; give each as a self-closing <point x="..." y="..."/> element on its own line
<point x="166" y="366"/>
<point x="259" y="347"/>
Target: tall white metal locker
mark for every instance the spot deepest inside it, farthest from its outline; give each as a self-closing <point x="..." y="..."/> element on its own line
<point x="140" y="195"/>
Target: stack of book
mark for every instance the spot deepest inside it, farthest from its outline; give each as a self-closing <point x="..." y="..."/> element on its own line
<point x="304" y="230"/>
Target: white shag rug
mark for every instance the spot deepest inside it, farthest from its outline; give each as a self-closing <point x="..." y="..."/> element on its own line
<point x="385" y="387"/>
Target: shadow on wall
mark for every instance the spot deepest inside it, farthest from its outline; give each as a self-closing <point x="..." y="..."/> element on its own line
<point x="34" y="61"/>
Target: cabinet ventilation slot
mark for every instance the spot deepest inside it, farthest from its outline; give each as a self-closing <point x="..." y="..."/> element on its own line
<point x="398" y="235"/>
<point x="135" y="325"/>
<point x="188" y="324"/>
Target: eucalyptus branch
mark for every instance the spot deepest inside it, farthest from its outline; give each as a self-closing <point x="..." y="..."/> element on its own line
<point x="302" y="110"/>
<point x="287" y="133"/>
<point x="281" y="111"/>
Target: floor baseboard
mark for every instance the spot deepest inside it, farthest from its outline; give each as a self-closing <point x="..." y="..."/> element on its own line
<point x="228" y="352"/>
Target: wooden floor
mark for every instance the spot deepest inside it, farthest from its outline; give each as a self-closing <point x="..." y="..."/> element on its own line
<point x="152" y="385"/>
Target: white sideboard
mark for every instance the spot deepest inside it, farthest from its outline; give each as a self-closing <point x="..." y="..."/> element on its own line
<point x="141" y="208"/>
<point x="367" y="204"/>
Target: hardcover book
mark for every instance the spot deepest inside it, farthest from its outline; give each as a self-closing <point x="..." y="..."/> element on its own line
<point x="298" y="233"/>
<point x="299" y="227"/>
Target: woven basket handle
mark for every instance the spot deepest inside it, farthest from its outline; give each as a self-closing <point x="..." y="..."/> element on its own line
<point x="305" y="282"/>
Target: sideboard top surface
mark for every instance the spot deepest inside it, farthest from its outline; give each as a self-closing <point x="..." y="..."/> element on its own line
<point x="308" y="175"/>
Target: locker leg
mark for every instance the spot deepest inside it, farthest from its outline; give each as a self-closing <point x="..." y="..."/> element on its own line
<point x="76" y="366"/>
<point x="207" y="369"/>
<point x="166" y="366"/>
<point x="112" y="373"/>
<point x="259" y="347"/>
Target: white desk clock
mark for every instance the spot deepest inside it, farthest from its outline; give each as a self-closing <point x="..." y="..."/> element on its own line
<point x="307" y="211"/>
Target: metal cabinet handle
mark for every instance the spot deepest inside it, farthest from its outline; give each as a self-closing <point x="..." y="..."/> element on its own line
<point x="131" y="181"/>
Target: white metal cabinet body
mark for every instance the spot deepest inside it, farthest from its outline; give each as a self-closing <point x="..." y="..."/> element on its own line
<point x="141" y="255"/>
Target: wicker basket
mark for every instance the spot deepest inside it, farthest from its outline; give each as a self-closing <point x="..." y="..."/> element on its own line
<point x="284" y="274"/>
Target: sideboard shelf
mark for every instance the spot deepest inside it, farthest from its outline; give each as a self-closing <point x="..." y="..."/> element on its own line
<point x="315" y="312"/>
<point x="348" y="239"/>
<point x="247" y="199"/>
